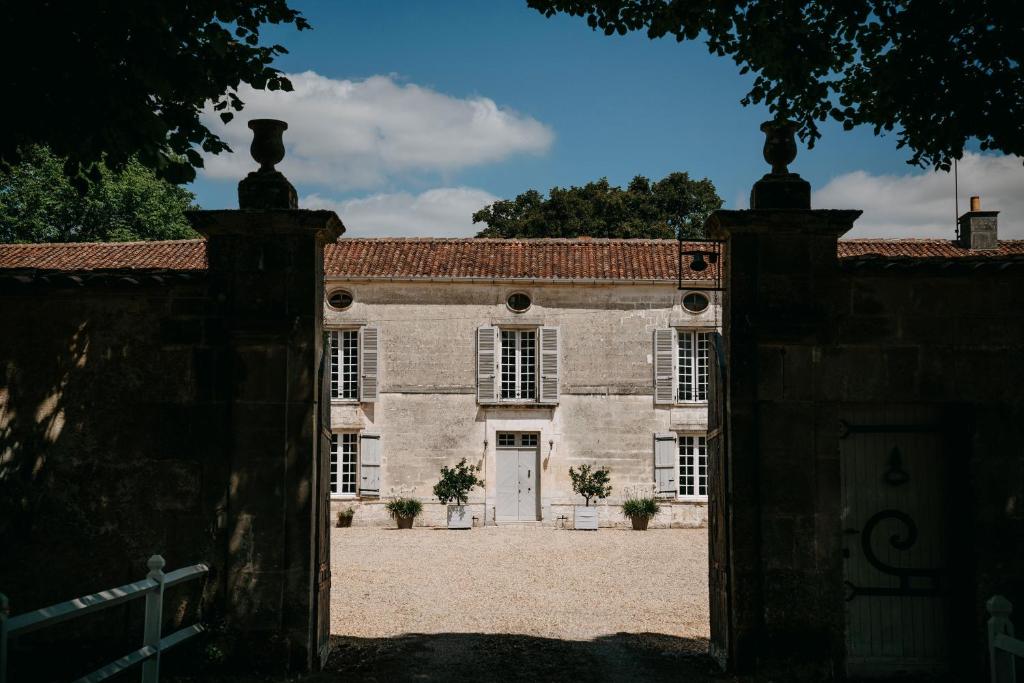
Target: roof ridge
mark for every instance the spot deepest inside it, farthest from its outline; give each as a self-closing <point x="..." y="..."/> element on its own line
<point x="98" y="243"/>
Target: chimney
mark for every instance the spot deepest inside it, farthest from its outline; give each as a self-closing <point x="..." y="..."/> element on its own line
<point x="978" y="229"/>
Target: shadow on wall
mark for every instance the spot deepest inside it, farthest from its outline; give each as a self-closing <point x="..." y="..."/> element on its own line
<point x="97" y="467"/>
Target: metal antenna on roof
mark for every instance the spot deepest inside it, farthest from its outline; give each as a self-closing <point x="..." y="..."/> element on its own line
<point x="956" y="200"/>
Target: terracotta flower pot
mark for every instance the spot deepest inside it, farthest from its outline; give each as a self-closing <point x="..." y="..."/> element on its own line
<point x="640" y="523"/>
<point x="405" y="522"/>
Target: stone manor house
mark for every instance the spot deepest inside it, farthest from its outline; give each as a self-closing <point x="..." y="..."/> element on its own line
<point x="524" y="357"/>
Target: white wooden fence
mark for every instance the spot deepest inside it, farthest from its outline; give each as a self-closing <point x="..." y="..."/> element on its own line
<point x="1003" y="648"/>
<point x="152" y="588"/>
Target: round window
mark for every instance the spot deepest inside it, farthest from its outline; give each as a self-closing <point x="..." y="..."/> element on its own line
<point x="340" y="300"/>
<point x="518" y="302"/>
<point x="695" y="302"/>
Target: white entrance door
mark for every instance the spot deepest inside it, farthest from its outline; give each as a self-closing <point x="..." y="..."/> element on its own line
<point x="517" y="482"/>
<point x="895" y="546"/>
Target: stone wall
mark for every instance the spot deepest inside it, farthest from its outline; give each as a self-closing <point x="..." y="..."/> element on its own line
<point x="171" y="413"/>
<point x="427" y="415"/>
<point x="810" y="341"/>
<point x="111" y="440"/>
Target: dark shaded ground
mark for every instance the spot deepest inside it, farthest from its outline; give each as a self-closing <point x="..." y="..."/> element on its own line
<point x="478" y="657"/>
<point x="500" y="657"/>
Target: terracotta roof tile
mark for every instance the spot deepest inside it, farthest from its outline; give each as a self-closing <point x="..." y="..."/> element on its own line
<point x="924" y="249"/>
<point x="82" y="256"/>
<point x="463" y="258"/>
<point x="562" y="259"/>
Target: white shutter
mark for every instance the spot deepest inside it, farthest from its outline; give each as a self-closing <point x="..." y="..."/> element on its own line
<point x="665" y="366"/>
<point x="369" y="464"/>
<point x="666" y="465"/>
<point x="369" y="364"/>
<point x="486" y="364"/>
<point x="549" y="352"/>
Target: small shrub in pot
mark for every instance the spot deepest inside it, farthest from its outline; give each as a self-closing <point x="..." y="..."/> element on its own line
<point x="454" y="487"/>
<point x="640" y="511"/>
<point x="404" y="511"/>
<point x="345" y="517"/>
<point x="589" y="483"/>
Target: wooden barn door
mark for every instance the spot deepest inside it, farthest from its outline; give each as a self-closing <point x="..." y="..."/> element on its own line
<point x="895" y="544"/>
<point x="322" y="508"/>
<point x="718" y="506"/>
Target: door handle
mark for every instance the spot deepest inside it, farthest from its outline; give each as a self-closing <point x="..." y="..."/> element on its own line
<point x="527" y="474"/>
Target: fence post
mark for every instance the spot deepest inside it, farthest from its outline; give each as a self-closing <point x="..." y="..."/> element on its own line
<point x="1001" y="663"/>
<point x="154" y="619"/>
<point x="5" y="610"/>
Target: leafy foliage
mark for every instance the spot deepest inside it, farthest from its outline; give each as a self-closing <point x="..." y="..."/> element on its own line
<point x="403" y="507"/>
<point x="111" y="81"/>
<point x="940" y="73"/>
<point x="643" y="209"/>
<point x="456" y="483"/>
<point x="39" y="204"/>
<point x="591" y="483"/>
<point x="640" y="507"/>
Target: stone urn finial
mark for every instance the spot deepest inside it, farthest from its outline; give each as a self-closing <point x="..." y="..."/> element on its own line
<point x="267" y="146"/>
<point x="267" y="188"/>
<point x="779" y="144"/>
<point x="780" y="189"/>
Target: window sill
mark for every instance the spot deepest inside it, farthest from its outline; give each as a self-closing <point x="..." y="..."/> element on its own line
<point x="518" y="404"/>
<point x="691" y="499"/>
<point x="690" y="404"/>
<point x="345" y="401"/>
<point x="344" y="496"/>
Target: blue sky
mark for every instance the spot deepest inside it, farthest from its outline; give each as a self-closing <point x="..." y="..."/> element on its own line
<point x="412" y="114"/>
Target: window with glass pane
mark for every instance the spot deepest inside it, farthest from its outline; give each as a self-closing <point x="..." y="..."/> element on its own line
<point x="344" y="462"/>
<point x="693" y="466"/>
<point x="518" y="365"/>
<point x="345" y="364"/>
<point x="693" y="365"/>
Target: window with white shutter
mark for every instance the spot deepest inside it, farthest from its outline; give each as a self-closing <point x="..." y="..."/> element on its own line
<point x="369" y="361"/>
<point x="693" y="466"/>
<point x="550" y="348"/>
<point x="486" y="364"/>
<point x="344" y="364"/>
<point x="693" y="347"/>
<point x="369" y="465"/>
<point x="344" y="463"/>
<point x="665" y="467"/>
<point x="664" y="366"/>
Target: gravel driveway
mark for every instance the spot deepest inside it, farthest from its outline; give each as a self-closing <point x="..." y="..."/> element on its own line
<point x="531" y="603"/>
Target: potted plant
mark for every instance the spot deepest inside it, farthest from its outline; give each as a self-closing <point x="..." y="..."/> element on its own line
<point x="404" y="511"/>
<point x="589" y="483"/>
<point x="345" y="516"/>
<point x="454" y="486"/>
<point x="640" y="510"/>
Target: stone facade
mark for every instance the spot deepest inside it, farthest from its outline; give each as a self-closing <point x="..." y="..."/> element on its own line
<point x="427" y="413"/>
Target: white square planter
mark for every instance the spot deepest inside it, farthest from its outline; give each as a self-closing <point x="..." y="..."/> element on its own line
<point x="459" y="517"/>
<point x="585" y="518"/>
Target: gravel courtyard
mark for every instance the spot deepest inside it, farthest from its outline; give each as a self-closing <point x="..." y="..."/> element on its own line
<point x="406" y="603"/>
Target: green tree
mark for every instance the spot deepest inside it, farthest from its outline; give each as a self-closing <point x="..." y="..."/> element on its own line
<point x="38" y="203"/>
<point x="114" y="80"/>
<point x="940" y="72"/>
<point x="597" y="209"/>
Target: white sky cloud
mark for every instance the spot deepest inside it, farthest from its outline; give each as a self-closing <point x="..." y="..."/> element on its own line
<point x="921" y="204"/>
<point x="441" y="212"/>
<point x="347" y="135"/>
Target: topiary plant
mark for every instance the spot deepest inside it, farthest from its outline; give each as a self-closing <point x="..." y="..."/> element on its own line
<point x="642" y="508"/>
<point x="456" y="483"/>
<point x="591" y="484"/>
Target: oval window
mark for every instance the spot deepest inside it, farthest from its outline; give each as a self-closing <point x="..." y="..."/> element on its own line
<point x="518" y="302"/>
<point x="339" y="300"/>
<point x="695" y="302"/>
